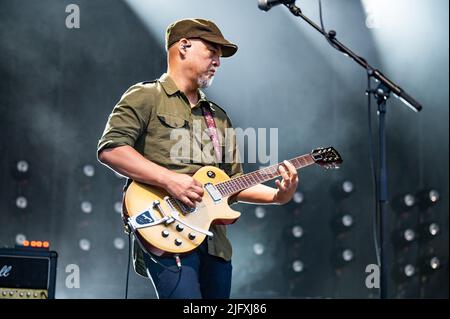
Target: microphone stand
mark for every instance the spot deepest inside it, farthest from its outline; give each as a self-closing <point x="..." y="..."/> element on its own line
<point x="381" y="93"/>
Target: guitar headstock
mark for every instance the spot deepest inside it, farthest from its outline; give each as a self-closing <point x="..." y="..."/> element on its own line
<point x="326" y="157"/>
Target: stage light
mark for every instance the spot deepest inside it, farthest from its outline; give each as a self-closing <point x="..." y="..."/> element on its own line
<point x="428" y="198"/>
<point x="298" y="197"/>
<point x="405" y="237"/>
<point x="21" y="170"/>
<point x="347" y="255"/>
<point x="409" y="200"/>
<point x="260" y="212"/>
<point x="409" y="270"/>
<point x="405" y="202"/>
<point x="405" y="271"/>
<point x="430" y="263"/>
<point x="297" y="231"/>
<point x="433" y="229"/>
<point x="429" y="230"/>
<point x="297" y="266"/>
<point x="86" y="207"/>
<point x="342" y="222"/>
<point x="433" y="195"/>
<point x="84" y="244"/>
<point x="342" y="189"/>
<point x="408" y="235"/>
<point x="342" y="257"/>
<point x="119" y="243"/>
<point x="88" y="170"/>
<point x="118" y="207"/>
<point x="258" y="248"/>
<point x="20" y="239"/>
<point x="434" y="263"/>
<point x="22" y="166"/>
<point x="347" y="220"/>
<point x="21" y="202"/>
<point x="347" y="187"/>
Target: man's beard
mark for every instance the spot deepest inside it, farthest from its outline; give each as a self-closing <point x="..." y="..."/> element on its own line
<point x="204" y="81"/>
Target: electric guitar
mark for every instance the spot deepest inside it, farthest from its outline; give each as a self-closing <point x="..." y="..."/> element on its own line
<point x="164" y="225"/>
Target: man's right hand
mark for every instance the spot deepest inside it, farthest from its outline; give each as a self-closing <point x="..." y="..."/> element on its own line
<point x="128" y="162"/>
<point x="184" y="188"/>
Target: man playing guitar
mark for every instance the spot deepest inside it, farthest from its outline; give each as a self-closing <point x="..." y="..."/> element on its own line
<point x="137" y="143"/>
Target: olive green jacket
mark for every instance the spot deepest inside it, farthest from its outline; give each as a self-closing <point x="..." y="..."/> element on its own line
<point x="156" y="119"/>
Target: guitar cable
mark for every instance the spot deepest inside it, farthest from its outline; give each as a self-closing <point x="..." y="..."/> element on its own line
<point x="178" y="263"/>
<point x="128" y="265"/>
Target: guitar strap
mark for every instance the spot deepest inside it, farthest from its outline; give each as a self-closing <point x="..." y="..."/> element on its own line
<point x="212" y="131"/>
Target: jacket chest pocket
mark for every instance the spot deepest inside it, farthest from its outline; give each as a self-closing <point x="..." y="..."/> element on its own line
<point x="171" y="135"/>
<point x="172" y="121"/>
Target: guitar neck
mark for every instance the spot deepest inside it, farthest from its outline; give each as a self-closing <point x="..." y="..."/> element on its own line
<point x="245" y="181"/>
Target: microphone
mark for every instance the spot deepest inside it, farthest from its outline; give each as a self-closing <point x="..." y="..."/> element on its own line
<point x="266" y="5"/>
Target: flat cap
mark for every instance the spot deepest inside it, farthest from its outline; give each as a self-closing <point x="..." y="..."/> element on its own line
<point x="198" y="28"/>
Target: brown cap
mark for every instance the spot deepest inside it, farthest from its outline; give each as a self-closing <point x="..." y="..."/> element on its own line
<point x="198" y="28"/>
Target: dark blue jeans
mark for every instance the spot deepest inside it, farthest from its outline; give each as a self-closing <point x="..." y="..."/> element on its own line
<point x="202" y="275"/>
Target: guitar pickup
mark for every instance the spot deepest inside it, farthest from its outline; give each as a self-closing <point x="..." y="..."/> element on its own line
<point x="213" y="193"/>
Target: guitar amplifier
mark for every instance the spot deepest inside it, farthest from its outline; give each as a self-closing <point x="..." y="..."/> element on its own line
<point x="27" y="273"/>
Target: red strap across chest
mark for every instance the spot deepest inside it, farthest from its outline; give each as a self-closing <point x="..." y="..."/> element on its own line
<point x="212" y="131"/>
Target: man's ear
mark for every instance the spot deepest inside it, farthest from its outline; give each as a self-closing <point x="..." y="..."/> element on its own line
<point x="184" y="44"/>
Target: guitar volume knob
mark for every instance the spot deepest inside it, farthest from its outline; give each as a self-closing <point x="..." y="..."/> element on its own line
<point x="191" y="236"/>
<point x="179" y="228"/>
<point x="178" y="241"/>
<point x="165" y="233"/>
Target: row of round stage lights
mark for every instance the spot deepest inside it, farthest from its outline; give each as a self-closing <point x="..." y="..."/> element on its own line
<point x="296" y="232"/>
<point x="423" y="234"/>
<point x="22" y="173"/>
<point x="87" y="208"/>
<point x="342" y="223"/>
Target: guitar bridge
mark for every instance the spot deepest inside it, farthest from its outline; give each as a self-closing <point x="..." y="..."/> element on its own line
<point x="183" y="207"/>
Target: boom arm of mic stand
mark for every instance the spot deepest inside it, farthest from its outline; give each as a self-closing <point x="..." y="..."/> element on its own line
<point x="331" y="37"/>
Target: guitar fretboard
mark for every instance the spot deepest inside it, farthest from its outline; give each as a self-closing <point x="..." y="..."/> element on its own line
<point x="245" y="181"/>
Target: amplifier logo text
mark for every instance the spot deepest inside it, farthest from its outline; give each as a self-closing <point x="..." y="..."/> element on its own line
<point x="5" y="271"/>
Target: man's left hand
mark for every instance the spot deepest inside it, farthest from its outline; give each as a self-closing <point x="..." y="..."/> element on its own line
<point x="287" y="187"/>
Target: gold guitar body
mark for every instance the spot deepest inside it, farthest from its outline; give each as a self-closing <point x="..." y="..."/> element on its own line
<point x="175" y="236"/>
